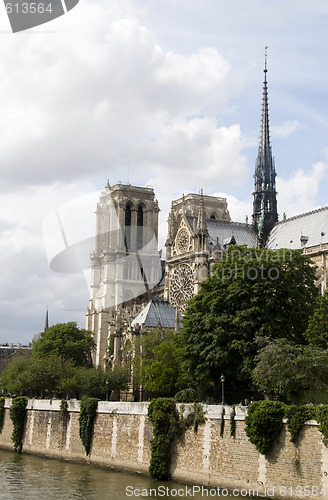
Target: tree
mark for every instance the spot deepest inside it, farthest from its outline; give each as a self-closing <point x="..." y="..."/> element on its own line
<point x="250" y="293"/>
<point x="141" y="351"/>
<point x="284" y="368"/>
<point x="317" y="331"/>
<point x="164" y="375"/>
<point x="34" y="376"/>
<point x="92" y="381"/>
<point x="13" y="377"/>
<point x="67" y="341"/>
<point x="157" y="364"/>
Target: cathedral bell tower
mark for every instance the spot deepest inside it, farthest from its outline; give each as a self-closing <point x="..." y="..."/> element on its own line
<point x="265" y="196"/>
<point x="125" y="265"/>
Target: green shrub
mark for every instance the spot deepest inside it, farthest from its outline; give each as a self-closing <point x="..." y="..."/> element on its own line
<point x="163" y="415"/>
<point x="196" y="417"/>
<point x="63" y="412"/>
<point x="264" y="423"/>
<point x="88" y="412"/>
<point x="322" y="419"/>
<point x="296" y="418"/>
<point x="168" y="425"/>
<point x="186" y="395"/>
<point x="233" y="422"/>
<point x="222" y="422"/>
<point x="18" y="417"/>
<point x="2" y="411"/>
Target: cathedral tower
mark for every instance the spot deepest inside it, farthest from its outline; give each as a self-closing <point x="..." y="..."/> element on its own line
<point x="125" y="265"/>
<point x="265" y="201"/>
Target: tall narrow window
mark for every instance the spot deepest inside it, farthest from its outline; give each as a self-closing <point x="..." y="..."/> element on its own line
<point x="139" y="227"/>
<point x="128" y="227"/>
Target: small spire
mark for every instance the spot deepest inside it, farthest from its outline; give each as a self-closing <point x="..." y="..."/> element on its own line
<point x="201" y="226"/>
<point x="107" y="185"/>
<point x="46" y="324"/>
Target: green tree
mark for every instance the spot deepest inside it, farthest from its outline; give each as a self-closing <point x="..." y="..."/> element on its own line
<point x="92" y="381"/>
<point x="317" y="331"/>
<point x="34" y="376"/>
<point x="164" y="375"/>
<point x="67" y="341"/>
<point x="250" y="293"/>
<point x="140" y="351"/>
<point x="157" y="362"/>
<point x="284" y="368"/>
<point x="13" y="377"/>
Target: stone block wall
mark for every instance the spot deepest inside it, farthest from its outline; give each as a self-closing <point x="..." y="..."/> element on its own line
<point x="122" y="440"/>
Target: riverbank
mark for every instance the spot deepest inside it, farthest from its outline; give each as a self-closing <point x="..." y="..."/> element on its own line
<point x="122" y="438"/>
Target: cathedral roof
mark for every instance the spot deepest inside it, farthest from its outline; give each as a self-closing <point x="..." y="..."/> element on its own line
<point x="303" y="231"/>
<point x="156" y="312"/>
<point x="220" y="231"/>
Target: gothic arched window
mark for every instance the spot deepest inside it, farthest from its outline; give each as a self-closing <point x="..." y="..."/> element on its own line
<point x="128" y="226"/>
<point x="139" y="227"/>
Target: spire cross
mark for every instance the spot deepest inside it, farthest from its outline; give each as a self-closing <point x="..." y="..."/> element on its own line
<point x="265" y="59"/>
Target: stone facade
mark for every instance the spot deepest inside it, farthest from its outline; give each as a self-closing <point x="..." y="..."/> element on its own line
<point x="199" y="231"/>
<point x="126" y="264"/>
<point x="122" y="435"/>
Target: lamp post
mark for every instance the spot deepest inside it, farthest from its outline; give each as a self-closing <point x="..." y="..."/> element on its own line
<point x="106" y="389"/>
<point x="222" y="385"/>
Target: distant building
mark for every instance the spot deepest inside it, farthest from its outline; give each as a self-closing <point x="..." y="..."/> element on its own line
<point x="9" y="351"/>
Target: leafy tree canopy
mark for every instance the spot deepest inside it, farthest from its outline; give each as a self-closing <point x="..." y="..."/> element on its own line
<point x="56" y="376"/>
<point x="250" y="293"/>
<point x="67" y="341"/>
<point x="317" y="331"/>
<point x="164" y="374"/>
<point x="284" y="368"/>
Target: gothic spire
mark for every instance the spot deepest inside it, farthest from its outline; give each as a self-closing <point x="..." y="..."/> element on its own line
<point x="201" y="224"/>
<point x="46" y="323"/>
<point x="265" y="203"/>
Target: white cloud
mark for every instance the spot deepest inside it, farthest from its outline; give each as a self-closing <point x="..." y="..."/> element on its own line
<point x="286" y="129"/>
<point x="297" y="194"/>
<point x="100" y="98"/>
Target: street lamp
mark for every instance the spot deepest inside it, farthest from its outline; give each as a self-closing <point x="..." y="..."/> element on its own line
<point x="222" y="385"/>
<point x="106" y="389"/>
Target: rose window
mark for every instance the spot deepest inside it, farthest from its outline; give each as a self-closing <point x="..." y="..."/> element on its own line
<point x="181" y="286"/>
<point x="183" y="241"/>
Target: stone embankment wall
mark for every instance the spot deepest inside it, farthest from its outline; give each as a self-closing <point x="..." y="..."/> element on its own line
<point x="122" y="435"/>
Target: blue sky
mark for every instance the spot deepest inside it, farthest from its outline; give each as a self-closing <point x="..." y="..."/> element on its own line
<point x="159" y="92"/>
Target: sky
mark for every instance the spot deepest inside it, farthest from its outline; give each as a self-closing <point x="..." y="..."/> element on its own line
<point x="162" y="93"/>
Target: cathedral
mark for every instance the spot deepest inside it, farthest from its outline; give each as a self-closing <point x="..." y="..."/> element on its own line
<point x="133" y="288"/>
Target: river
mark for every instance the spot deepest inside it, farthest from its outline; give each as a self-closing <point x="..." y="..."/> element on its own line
<point x="27" y="477"/>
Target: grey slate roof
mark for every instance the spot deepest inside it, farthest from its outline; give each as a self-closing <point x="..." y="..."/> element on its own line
<point x="156" y="312"/>
<point x="244" y="234"/>
<point x="311" y="226"/>
<point x="223" y="231"/>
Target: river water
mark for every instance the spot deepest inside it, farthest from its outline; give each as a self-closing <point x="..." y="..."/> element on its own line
<point x="27" y="477"/>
